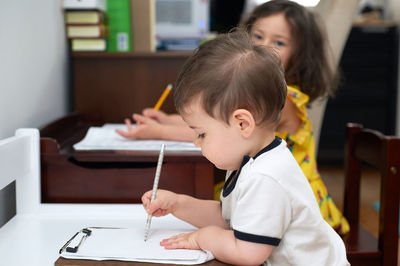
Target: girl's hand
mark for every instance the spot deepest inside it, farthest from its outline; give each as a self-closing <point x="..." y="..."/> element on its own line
<point x="186" y="241"/>
<point x="156" y="115"/>
<point x="163" y="118"/>
<point x="165" y="202"/>
<point x="146" y="128"/>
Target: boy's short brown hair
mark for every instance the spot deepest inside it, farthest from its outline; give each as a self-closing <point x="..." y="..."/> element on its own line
<point x="229" y="73"/>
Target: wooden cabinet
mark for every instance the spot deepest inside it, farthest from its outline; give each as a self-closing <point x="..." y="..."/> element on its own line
<point x="115" y="85"/>
<point x="69" y="176"/>
<point x="108" y="87"/>
<point x="368" y="91"/>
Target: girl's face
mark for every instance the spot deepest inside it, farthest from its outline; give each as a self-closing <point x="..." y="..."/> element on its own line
<point x="274" y="31"/>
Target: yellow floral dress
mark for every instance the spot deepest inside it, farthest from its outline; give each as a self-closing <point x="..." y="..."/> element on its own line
<point x="301" y="145"/>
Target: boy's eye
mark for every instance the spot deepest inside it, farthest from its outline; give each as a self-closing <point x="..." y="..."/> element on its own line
<point x="257" y="37"/>
<point x="279" y="43"/>
<point x="200" y="136"/>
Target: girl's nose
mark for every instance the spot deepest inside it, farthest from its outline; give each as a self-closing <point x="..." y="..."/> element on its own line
<point x="197" y="142"/>
<point x="267" y="43"/>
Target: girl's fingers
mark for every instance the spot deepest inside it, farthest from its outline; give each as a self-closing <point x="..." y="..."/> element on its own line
<point x="128" y="124"/>
<point x="129" y="132"/>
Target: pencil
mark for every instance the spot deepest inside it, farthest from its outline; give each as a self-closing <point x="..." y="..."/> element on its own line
<point x="155" y="187"/>
<point x="163" y="97"/>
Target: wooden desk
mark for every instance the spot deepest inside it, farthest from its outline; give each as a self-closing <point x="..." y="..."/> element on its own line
<point x="66" y="262"/>
<point x="69" y="176"/>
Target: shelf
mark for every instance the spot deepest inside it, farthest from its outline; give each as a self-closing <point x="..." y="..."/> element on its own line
<point x="116" y="55"/>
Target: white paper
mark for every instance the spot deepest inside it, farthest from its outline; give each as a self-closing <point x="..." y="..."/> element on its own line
<point x="105" y="138"/>
<point x="128" y="244"/>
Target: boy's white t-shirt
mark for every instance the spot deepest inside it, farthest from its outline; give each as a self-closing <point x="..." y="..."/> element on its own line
<point x="271" y="202"/>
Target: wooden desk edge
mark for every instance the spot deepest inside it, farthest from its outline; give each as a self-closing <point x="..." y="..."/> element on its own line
<point x="72" y="262"/>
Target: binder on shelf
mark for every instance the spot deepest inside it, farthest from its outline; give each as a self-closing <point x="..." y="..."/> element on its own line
<point x="143" y="25"/>
<point x="87" y="4"/>
<point x="88" y="45"/>
<point x="85" y="17"/>
<point x="87" y="31"/>
<point x="85" y="25"/>
<point x="119" y="24"/>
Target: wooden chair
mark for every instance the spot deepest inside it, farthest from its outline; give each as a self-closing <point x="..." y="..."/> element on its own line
<point x="365" y="146"/>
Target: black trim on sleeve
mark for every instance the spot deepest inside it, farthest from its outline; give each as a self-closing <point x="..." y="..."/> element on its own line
<point x="257" y="238"/>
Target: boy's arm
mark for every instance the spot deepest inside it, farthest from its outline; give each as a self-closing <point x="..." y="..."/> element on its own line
<point x="197" y="212"/>
<point x="223" y="245"/>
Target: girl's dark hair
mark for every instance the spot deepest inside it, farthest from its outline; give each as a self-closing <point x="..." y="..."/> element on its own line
<point x="229" y="73"/>
<point x="308" y="67"/>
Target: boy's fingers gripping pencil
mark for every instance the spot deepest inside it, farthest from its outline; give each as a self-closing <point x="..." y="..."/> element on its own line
<point x="163" y="97"/>
<point x="155" y="186"/>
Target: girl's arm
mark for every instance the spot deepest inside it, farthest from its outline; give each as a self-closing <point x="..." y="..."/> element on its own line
<point x="177" y="133"/>
<point x="148" y="128"/>
<point x="199" y="213"/>
<point x="290" y="121"/>
<point x="222" y="244"/>
<point x="163" y="118"/>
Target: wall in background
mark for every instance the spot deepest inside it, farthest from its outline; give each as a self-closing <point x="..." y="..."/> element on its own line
<point x="33" y="64"/>
<point x="33" y="69"/>
<point x="394" y="13"/>
<point x="393" y="9"/>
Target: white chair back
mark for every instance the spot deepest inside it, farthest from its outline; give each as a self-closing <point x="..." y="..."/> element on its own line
<point x="20" y="161"/>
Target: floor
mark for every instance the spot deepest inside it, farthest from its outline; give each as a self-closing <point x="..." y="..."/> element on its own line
<point x="334" y="181"/>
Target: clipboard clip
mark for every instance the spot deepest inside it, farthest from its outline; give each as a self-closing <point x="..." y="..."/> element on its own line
<point x="86" y="233"/>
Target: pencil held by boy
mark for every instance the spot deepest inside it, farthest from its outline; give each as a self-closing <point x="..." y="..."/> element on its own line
<point x="231" y="93"/>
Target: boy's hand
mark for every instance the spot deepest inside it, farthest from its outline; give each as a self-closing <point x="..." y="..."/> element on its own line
<point x="164" y="203"/>
<point x="186" y="241"/>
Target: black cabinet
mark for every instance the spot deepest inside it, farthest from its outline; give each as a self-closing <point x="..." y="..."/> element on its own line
<point x="368" y="90"/>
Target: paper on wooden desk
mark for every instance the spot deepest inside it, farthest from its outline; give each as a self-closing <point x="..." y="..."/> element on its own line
<point x="128" y="245"/>
<point x="105" y="138"/>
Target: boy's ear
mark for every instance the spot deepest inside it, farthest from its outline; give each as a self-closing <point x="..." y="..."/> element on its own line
<point x="244" y="121"/>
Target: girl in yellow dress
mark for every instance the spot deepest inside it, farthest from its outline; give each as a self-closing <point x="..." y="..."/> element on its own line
<point x="295" y="33"/>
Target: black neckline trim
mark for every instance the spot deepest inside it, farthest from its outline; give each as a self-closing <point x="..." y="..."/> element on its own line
<point x="229" y="183"/>
<point x="275" y="143"/>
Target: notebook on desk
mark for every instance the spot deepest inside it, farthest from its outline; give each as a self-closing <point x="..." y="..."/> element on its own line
<point x="127" y="244"/>
<point x="105" y="138"/>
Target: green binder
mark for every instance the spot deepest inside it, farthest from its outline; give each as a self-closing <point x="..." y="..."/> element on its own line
<point x="119" y="24"/>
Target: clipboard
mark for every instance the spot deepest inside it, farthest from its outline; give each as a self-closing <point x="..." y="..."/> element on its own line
<point x="127" y="244"/>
